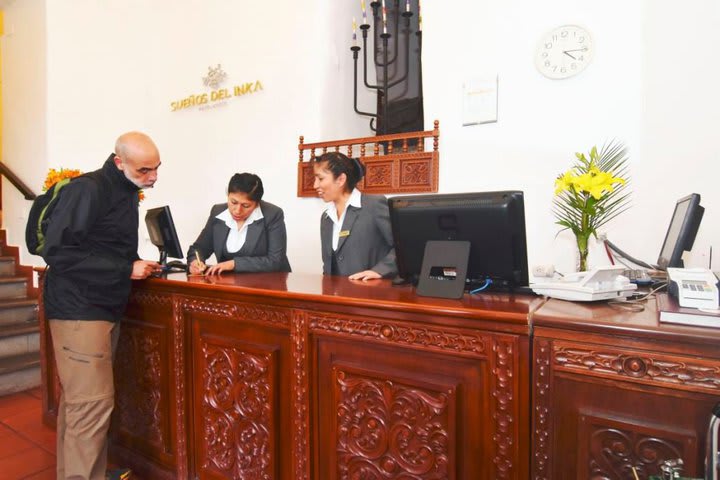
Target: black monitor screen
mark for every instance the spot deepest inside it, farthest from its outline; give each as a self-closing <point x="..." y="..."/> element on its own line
<point x="493" y="223"/>
<point x="682" y="231"/>
<point x="162" y="232"/>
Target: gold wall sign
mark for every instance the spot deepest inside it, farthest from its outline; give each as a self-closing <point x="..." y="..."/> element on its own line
<point x="217" y="96"/>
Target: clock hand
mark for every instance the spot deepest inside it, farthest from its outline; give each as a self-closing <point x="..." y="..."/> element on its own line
<point x="583" y="49"/>
<point x="566" y="53"/>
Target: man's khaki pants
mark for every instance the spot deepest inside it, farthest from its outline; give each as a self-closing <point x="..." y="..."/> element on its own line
<point x="83" y="355"/>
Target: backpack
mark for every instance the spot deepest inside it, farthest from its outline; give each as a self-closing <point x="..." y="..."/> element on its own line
<point x="41" y="211"/>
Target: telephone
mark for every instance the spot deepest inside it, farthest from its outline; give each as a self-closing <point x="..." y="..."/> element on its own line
<point x="601" y="283"/>
<point x="693" y="287"/>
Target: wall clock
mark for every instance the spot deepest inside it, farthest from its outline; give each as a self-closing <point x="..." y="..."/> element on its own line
<point x="564" y="52"/>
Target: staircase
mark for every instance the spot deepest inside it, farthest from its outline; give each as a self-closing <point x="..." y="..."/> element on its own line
<point x="19" y="330"/>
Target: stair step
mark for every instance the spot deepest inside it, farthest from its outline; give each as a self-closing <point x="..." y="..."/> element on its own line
<point x="18" y="310"/>
<point x="19" y="338"/>
<point x="13" y="287"/>
<point x="7" y="266"/>
<point x="19" y="362"/>
<point x="19" y="373"/>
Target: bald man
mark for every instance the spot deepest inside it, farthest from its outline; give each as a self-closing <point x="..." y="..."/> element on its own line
<point x="91" y="247"/>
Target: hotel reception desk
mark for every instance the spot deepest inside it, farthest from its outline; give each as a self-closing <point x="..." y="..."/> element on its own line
<point x="297" y="376"/>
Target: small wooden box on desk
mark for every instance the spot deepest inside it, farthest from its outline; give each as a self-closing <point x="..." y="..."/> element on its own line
<point x="293" y="376"/>
<point x="614" y="390"/>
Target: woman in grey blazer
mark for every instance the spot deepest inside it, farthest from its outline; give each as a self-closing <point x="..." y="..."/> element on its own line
<point x="246" y="234"/>
<point x="355" y="228"/>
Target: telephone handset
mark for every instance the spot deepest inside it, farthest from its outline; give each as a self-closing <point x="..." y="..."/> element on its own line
<point x="601" y="283"/>
<point x="693" y="287"/>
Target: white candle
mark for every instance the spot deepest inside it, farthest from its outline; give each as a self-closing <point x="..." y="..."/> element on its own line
<point x="354" y="33"/>
<point x="407" y="5"/>
<point x="362" y="5"/>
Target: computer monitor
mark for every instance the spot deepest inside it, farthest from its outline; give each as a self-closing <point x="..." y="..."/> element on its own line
<point x="162" y="232"/>
<point x="682" y="231"/>
<point x="493" y="223"/>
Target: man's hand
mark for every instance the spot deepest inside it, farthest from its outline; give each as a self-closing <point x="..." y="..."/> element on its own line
<point x="144" y="268"/>
<point x="221" y="267"/>
<point x="365" y="275"/>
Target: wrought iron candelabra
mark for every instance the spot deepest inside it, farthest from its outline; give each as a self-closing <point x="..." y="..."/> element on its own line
<point x="390" y="75"/>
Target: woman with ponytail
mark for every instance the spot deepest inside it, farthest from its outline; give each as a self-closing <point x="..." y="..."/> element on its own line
<point x="355" y="228"/>
<point x="246" y="234"/>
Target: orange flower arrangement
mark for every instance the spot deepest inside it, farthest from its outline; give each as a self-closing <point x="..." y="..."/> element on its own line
<point x="54" y="176"/>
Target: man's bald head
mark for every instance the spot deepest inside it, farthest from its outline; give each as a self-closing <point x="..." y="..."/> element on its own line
<point x="138" y="158"/>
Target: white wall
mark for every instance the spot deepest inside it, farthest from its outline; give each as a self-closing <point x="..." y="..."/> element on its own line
<point x="24" y="83"/>
<point x="118" y="65"/>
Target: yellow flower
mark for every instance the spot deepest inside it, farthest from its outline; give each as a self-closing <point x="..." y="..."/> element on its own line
<point x="564" y="182"/>
<point x="54" y="176"/>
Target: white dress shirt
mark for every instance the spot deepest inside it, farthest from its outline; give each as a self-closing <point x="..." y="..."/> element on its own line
<point x="331" y="212"/>
<point x="236" y="237"/>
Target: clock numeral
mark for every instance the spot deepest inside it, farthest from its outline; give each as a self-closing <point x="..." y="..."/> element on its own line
<point x="544" y="54"/>
<point x="581" y="58"/>
<point x="547" y="63"/>
<point x="548" y="45"/>
<point x="573" y="66"/>
<point x="581" y="39"/>
<point x="564" y="33"/>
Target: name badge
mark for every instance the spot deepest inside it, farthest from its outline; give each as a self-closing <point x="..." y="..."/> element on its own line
<point x="344" y="233"/>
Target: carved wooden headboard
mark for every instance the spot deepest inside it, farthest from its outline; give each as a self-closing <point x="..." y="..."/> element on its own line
<point x="409" y="168"/>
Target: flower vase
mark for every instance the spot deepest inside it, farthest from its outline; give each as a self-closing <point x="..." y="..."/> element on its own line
<point x="582" y="244"/>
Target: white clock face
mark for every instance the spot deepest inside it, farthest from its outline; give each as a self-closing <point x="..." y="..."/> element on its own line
<point x="564" y="52"/>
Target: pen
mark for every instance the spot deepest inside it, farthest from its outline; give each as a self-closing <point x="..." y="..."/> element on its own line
<point x="197" y="256"/>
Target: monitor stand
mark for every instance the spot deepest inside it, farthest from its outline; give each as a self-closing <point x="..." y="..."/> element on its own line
<point x="444" y="269"/>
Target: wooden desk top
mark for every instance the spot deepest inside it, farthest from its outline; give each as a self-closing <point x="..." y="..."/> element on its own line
<point x="328" y="290"/>
<point x="599" y="317"/>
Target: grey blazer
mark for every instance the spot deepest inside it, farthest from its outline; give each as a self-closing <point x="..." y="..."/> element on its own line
<point x="265" y="248"/>
<point x="369" y="244"/>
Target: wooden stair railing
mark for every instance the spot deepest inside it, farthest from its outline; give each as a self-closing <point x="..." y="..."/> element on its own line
<point x="408" y="168"/>
<point x="19" y="184"/>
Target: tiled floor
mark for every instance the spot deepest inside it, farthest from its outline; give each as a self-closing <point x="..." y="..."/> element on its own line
<point x="27" y="447"/>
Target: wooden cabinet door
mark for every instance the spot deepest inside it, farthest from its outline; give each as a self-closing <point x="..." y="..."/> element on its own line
<point x="600" y="410"/>
<point x="391" y="411"/>
<point x="241" y="375"/>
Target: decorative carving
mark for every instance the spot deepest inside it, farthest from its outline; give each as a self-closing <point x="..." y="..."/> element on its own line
<point x="379" y="175"/>
<point x="541" y="420"/>
<point x="415" y="172"/>
<point x="301" y="419"/>
<point x="180" y="407"/>
<point x="237" y="412"/>
<point x="389" y="170"/>
<point x="144" y="297"/>
<point x="503" y="408"/>
<point x="613" y="448"/>
<point x="389" y="430"/>
<point x="684" y="373"/>
<point x="446" y="339"/>
<point x="245" y="311"/>
<point x="138" y="386"/>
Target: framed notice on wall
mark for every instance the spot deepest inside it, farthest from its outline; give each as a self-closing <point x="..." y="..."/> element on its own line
<point x="479" y="100"/>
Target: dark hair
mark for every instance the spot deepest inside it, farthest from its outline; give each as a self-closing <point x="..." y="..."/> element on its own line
<point x="247" y="183"/>
<point x="339" y="163"/>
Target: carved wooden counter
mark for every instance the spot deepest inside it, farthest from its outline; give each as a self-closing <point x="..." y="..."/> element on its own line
<point x="291" y="376"/>
<point x="614" y="390"/>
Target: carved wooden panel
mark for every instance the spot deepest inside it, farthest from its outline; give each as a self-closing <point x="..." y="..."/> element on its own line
<point x="301" y="397"/>
<point x="237" y="410"/>
<point x="431" y="338"/>
<point x="138" y="386"/>
<point x="651" y="368"/>
<point x="599" y="410"/>
<point x="388" y="169"/>
<point x="402" y="412"/>
<point x="387" y="429"/>
<point x="610" y="448"/>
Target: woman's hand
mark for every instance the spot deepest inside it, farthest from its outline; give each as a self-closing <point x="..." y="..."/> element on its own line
<point x="197" y="267"/>
<point x="221" y="267"/>
<point x="365" y="275"/>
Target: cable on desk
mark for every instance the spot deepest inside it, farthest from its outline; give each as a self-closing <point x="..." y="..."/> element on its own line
<point x="488" y="282"/>
<point x="636" y="304"/>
